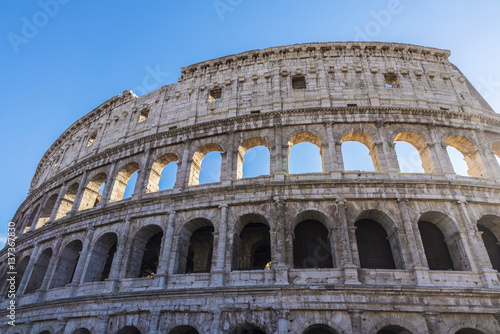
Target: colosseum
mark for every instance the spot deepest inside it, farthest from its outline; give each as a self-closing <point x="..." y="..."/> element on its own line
<point x="331" y="251"/>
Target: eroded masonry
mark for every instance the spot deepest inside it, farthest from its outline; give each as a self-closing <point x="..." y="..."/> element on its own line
<point x="333" y="251"/>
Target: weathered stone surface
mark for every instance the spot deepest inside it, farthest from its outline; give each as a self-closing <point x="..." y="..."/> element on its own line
<point x="224" y="257"/>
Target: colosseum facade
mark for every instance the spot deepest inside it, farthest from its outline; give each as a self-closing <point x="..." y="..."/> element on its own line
<point x="328" y="252"/>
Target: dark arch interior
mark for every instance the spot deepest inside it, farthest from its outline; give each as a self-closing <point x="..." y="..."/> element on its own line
<point x="39" y="271"/>
<point x="199" y="257"/>
<point x="253" y="247"/>
<point x="469" y="331"/>
<point x="320" y="329"/>
<point x="393" y="330"/>
<point x="248" y="329"/>
<point x="373" y="247"/>
<point x="129" y="330"/>
<point x="67" y="264"/>
<point x="436" y="249"/>
<point x="311" y="247"/>
<point x="492" y="246"/>
<point x="151" y="256"/>
<point x="184" y="330"/>
<point x="82" y="331"/>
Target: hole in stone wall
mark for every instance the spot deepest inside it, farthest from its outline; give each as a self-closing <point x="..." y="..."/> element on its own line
<point x="391" y="81"/>
<point x="143" y="116"/>
<point x="215" y="95"/>
<point x="92" y="138"/>
<point x="299" y="82"/>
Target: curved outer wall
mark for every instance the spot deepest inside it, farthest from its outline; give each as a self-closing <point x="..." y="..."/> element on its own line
<point x="431" y="105"/>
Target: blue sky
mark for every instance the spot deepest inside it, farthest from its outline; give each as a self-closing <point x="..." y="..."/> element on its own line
<point x="61" y="59"/>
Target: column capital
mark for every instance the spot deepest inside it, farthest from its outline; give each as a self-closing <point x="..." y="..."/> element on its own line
<point x="402" y="199"/>
<point x="341" y="200"/>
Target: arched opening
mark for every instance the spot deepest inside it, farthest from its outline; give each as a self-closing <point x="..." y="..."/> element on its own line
<point x="208" y="158"/>
<point x="373" y="245"/>
<point x="248" y="329"/>
<point x="46" y="211"/>
<point x="414" y="154"/>
<point x="320" y="329"/>
<point x="435" y="247"/>
<point x="392" y="329"/>
<point x="311" y="247"/>
<point x="125" y="182"/>
<point x="252" y="246"/>
<point x="492" y="245"/>
<point x="67" y="201"/>
<point x="469" y="331"/>
<point x="31" y="218"/>
<point x="82" y="331"/>
<point x="253" y="158"/>
<point x="305" y="153"/>
<point x="163" y="173"/>
<point x="129" y="330"/>
<point x="355" y="155"/>
<point x="44" y="332"/>
<point x="92" y="194"/>
<point x="101" y="258"/>
<point x="470" y="154"/>
<point x="145" y="252"/>
<point x="496" y="150"/>
<point x="21" y="270"/>
<point x="195" y="247"/>
<point x="67" y="264"/>
<point x="39" y="271"/>
<point x="184" y="330"/>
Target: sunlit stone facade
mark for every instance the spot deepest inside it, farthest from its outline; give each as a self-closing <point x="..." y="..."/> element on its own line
<point x="331" y="252"/>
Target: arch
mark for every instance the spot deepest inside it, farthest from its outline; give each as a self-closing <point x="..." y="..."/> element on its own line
<point x="471" y="155"/>
<point x="199" y="154"/>
<point x="145" y="252"/>
<point x="195" y="247"/>
<point x="156" y="169"/>
<point x="365" y="139"/>
<point x="492" y="246"/>
<point x="246" y="145"/>
<point x="67" y="201"/>
<point x="311" y="245"/>
<point x="469" y="331"/>
<point x="248" y="329"/>
<point x="373" y="245"/>
<point x="46" y="211"/>
<point x="67" y="264"/>
<point x="39" y="271"/>
<point x="393" y="329"/>
<point x="436" y="249"/>
<point x="184" y="330"/>
<point x="101" y="258"/>
<point x="129" y="330"/>
<point x="417" y="141"/>
<point x="319" y="329"/>
<point x="306" y="137"/>
<point x="252" y="243"/>
<point x="121" y="181"/>
<point x="91" y="196"/>
<point x="82" y="331"/>
<point x="31" y="218"/>
<point x="387" y="238"/>
<point x="21" y="270"/>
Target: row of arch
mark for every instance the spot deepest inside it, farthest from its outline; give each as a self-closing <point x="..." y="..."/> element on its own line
<point x="253" y="329"/>
<point x="314" y="245"/>
<point x="85" y="194"/>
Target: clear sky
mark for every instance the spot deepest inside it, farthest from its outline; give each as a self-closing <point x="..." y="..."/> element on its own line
<point x="62" y="58"/>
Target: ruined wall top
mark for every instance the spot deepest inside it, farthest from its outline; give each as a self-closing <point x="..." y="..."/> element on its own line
<point x="273" y="80"/>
